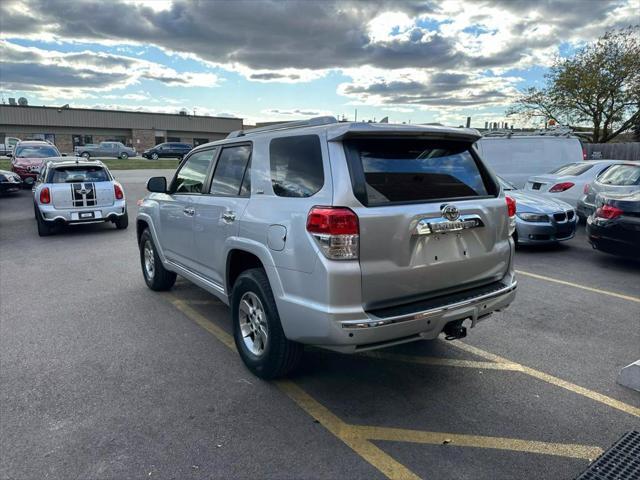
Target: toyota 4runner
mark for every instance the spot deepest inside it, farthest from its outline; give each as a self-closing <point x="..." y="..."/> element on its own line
<point x="348" y="236"/>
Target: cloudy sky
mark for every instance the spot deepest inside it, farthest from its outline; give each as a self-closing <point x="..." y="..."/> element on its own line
<point x="420" y="61"/>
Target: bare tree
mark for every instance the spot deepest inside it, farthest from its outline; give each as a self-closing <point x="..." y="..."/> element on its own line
<point x="599" y="85"/>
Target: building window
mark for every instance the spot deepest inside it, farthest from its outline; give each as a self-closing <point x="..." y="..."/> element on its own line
<point x="173" y="139"/>
<point x="199" y="141"/>
<point x="159" y="140"/>
<point x="88" y="139"/>
<point x="118" y="138"/>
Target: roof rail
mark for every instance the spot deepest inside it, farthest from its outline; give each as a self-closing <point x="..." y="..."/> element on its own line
<point x="560" y="131"/>
<point x="312" y="122"/>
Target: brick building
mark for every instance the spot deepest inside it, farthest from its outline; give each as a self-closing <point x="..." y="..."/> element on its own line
<point x="70" y="127"/>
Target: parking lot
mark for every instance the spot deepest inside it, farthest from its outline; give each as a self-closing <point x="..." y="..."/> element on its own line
<point x="102" y="378"/>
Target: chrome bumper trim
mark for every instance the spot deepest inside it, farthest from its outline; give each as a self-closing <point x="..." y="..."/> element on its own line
<point x="375" y="322"/>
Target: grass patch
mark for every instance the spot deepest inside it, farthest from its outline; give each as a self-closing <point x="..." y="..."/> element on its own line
<point x="117" y="164"/>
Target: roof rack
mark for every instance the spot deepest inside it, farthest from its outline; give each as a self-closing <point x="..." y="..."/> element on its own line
<point x="560" y="131"/>
<point x="312" y="122"/>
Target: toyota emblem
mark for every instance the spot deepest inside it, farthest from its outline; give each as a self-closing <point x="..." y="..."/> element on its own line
<point x="450" y="212"/>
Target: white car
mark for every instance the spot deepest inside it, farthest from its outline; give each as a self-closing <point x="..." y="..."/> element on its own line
<point x="568" y="182"/>
<point x="73" y="192"/>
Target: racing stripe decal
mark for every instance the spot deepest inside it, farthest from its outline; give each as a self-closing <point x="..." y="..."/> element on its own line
<point x="83" y="194"/>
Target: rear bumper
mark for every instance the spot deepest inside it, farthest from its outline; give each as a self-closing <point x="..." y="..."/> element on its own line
<point x="422" y="320"/>
<point x="610" y="237"/>
<point x="66" y="216"/>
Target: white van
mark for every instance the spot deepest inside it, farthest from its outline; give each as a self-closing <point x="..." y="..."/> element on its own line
<point x="517" y="157"/>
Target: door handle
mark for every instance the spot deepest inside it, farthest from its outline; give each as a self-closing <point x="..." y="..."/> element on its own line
<point x="229" y="217"/>
<point x="190" y="212"/>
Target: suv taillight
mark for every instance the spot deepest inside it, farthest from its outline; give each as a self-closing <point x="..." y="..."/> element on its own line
<point x="336" y="230"/>
<point x="45" y="196"/>
<point x="608" y="212"/>
<point x="511" y="211"/>
<point x="561" y="187"/>
<point x="584" y="153"/>
<point x="117" y="189"/>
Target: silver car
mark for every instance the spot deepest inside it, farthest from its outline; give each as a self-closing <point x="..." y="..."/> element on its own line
<point x="618" y="180"/>
<point x="540" y="219"/>
<point x="72" y="192"/>
<point x="348" y="236"/>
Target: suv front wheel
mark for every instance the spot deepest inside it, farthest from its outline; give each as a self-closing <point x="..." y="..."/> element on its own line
<point x="155" y="275"/>
<point x="257" y="330"/>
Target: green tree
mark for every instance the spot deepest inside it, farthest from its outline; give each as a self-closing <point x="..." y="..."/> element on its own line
<point x="598" y="86"/>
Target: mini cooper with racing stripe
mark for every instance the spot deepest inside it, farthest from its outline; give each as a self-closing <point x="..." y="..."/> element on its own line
<point x="72" y="192"/>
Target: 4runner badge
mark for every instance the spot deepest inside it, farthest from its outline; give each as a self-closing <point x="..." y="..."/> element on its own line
<point x="450" y="212"/>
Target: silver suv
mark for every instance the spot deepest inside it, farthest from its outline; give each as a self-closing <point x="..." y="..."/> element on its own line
<point x="348" y="236"/>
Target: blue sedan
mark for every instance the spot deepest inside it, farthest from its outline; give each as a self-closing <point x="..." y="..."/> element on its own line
<point x="540" y="219"/>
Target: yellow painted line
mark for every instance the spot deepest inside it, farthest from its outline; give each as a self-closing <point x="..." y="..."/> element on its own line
<point x="344" y="432"/>
<point x="545" y="377"/>
<point x="577" y="285"/>
<point x="347" y="433"/>
<point x="479" y="441"/>
<point x="442" y="362"/>
<point x="359" y="438"/>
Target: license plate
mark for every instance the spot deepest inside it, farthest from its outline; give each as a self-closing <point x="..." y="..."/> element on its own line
<point x="86" y="215"/>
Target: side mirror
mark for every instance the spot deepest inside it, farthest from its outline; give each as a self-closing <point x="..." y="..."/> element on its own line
<point x="157" y="185"/>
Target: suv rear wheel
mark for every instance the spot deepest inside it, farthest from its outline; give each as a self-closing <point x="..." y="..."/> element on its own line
<point x="155" y="275"/>
<point x="257" y="330"/>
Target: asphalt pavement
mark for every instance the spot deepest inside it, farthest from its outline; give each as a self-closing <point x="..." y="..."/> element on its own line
<point x="102" y="378"/>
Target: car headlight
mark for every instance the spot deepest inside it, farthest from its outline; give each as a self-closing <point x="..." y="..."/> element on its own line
<point x="533" y="217"/>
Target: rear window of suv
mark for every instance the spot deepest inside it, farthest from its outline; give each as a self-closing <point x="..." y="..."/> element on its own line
<point x="387" y="171"/>
<point x="78" y="175"/>
<point x="622" y="175"/>
<point x="296" y="166"/>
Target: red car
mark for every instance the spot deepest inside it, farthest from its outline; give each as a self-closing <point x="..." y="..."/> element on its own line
<point x="29" y="156"/>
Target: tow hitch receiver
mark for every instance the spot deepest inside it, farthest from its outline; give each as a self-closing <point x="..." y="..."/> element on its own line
<point x="454" y="330"/>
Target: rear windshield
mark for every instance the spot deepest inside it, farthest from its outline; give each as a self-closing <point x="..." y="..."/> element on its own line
<point x="77" y="175"/>
<point x="572" y="169"/>
<point x="621" y="175"/>
<point x="414" y="170"/>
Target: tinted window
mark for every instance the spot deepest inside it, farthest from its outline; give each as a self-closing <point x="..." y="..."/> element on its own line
<point x="193" y="173"/>
<point x="621" y="175"/>
<point x="230" y="170"/>
<point x="413" y="170"/>
<point x="36" y="151"/>
<point x="77" y="174"/>
<point x="296" y="166"/>
<point x="573" y="169"/>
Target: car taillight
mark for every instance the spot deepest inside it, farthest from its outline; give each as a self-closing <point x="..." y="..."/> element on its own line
<point x="585" y="190"/>
<point x="584" y="153"/>
<point x="336" y="230"/>
<point x="561" y="187"/>
<point x="45" y="195"/>
<point x="118" y="191"/>
<point x="511" y="211"/>
<point x="608" y="212"/>
<point x="511" y="206"/>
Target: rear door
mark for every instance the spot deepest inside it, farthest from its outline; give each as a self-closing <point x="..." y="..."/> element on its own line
<point x="414" y="194"/>
<point x="218" y="213"/>
<point x="81" y="187"/>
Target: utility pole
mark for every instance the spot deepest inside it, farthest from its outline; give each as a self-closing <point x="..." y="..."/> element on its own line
<point x="355" y="119"/>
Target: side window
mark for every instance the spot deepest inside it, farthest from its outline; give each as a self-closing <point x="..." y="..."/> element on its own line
<point x="231" y="169"/>
<point x="190" y="178"/>
<point x="296" y="166"/>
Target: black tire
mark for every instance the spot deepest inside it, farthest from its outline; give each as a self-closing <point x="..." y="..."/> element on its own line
<point x="44" y="228"/>
<point x="280" y="356"/>
<point x="124" y="156"/>
<point x="154" y="156"/>
<point x="160" y="279"/>
<point x="123" y="221"/>
<point x="86" y="155"/>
